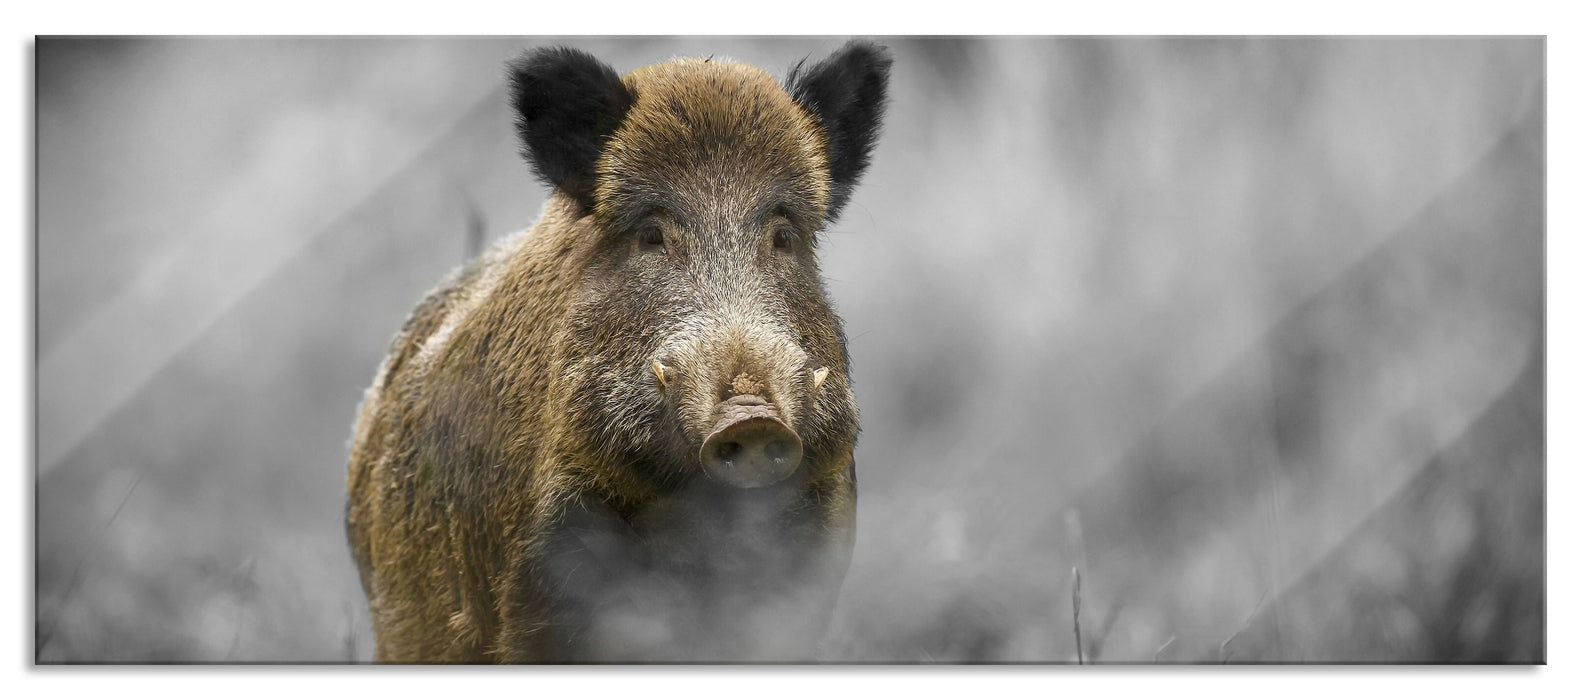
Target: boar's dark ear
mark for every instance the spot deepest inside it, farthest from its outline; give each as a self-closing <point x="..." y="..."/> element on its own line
<point x="847" y="93"/>
<point x="567" y="103"/>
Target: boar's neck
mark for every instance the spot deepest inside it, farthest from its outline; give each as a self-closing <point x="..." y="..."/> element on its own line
<point x="708" y="571"/>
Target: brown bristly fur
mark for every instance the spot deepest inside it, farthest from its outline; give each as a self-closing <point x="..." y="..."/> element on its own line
<point x="563" y="377"/>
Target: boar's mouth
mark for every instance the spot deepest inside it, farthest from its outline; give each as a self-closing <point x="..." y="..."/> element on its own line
<point x="749" y="446"/>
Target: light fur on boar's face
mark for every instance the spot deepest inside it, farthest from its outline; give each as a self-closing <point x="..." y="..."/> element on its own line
<point x="531" y="474"/>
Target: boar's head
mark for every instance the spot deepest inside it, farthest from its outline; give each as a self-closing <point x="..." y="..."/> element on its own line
<point x="702" y="338"/>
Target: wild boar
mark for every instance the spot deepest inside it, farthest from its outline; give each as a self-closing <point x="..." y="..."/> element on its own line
<point x="627" y="433"/>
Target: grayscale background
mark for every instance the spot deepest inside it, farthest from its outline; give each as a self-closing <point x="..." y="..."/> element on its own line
<point x="1248" y="332"/>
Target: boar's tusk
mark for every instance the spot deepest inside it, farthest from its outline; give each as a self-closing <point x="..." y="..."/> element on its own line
<point x="818" y="377"/>
<point x="659" y="373"/>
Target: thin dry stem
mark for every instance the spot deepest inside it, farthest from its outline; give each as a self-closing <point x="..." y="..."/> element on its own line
<point x="1224" y="657"/>
<point x="1163" y="647"/>
<point x="1076" y="610"/>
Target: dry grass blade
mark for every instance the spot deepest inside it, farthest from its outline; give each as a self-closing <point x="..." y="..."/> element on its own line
<point x="1225" y="657"/>
<point x="1076" y="610"/>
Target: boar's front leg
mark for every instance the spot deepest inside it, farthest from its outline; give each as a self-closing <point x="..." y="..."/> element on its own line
<point x="589" y="594"/>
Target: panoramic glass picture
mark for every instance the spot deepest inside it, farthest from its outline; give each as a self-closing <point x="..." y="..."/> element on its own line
<point x="790" y="350"/>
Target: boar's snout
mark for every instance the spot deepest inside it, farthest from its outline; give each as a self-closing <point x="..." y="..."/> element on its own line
<point x="750" y="446"/>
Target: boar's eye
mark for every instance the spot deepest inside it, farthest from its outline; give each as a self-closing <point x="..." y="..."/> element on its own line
<point x="649" y="236"/>
<point x="784" y="235"/>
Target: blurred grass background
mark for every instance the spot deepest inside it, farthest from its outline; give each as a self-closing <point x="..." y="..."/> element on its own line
<point x="1248" y="331"/>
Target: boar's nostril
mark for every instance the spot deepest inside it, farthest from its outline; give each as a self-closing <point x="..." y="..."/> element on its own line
<point x="777" y="450"/>
<point x="728" y="451"/>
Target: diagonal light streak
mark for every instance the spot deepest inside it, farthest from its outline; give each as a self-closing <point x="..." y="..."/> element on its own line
<point x="122" y="346"/>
